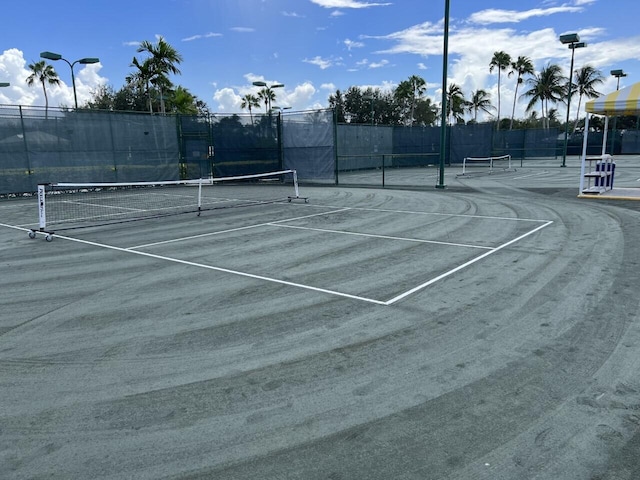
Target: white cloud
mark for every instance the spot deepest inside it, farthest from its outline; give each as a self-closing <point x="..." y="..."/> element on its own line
<point x="493" y="15"/>
<point x="348" y="4"/>
<point x="323" y="63"/>
<point x="352" y="44"/>
<point x="228" y="101"/>
<point x="292" y="14"/>
<point x="421" y="66"/>
<point x="14" y="69"/>
<point x="198" y="37"/>
<point x="328" y="86"/>
<point x="242" y="29"/>
<point x="380" y="64"/>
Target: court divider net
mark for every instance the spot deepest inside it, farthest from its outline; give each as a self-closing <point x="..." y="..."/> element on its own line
<point x="65" y="206"/>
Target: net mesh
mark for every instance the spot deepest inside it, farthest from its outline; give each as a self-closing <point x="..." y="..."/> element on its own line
<point x="64" y="206"/>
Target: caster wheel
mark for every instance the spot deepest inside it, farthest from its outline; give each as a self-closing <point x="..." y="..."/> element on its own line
<point x="32" y="234"/>
<point x="48" y="238"/>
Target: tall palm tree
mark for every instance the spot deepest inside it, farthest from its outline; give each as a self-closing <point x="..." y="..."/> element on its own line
<point x="522" y="66"/>
<point x="141" y="79"/>
<point x="163" y="60"/>
<point x="586" y="79"/>
<point x="267" y="95"/>
<point x="250" y="101"/>
<point x="548" y="86"/>
<point x="45" y="74"/>
<point x="500" y="61"/>
<point x="480" y="100"/>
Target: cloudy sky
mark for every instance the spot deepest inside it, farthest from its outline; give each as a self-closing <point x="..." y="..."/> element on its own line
<point x="312" y="46"/>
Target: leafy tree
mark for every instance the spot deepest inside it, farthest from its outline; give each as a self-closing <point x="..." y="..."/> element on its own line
<point x="46" y="75"/>
<point x="500" y="61"/>
<point x="183" y="102"/>
<point x="547" y="86"/>
<point x="336" y="102"/>
<point x="522" y="66"/>
<point x="408" y="92"/>
<point x="586" y="79"/>
<point x="141" y="79"/>
<point x="426" y="113"/>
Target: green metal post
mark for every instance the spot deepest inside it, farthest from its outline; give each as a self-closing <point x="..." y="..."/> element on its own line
<point x="443" y="121"/>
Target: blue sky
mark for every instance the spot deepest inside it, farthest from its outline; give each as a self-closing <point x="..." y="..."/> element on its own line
<point x="312" y="46"/>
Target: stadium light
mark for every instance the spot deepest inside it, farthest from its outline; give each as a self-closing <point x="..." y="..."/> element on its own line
<point x="5" y="84"/>
<point x="572" y="40"/>
<point x="616" y="73"/>
<point x="83" y="61"/>
<point x="259" y="83"/>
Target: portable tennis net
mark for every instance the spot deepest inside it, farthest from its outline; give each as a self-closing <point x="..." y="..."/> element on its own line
<point x="65" y="206"/>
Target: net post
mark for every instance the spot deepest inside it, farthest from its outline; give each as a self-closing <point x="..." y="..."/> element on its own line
<point x="295" y="183"/>
<point x="199" y="196"/>
<point x="42" y="214"/>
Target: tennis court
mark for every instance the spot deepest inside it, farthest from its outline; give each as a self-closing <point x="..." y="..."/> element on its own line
<point x="483" y="331"/>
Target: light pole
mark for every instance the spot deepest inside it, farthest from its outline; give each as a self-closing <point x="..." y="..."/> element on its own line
<point x="443" y="114"/>
<point x="617" y="74"/>
<point x="83" y="61"/>
<point x="573" y="42"/>
<point x="5" y="84"/>
<point x="268" y="88"/>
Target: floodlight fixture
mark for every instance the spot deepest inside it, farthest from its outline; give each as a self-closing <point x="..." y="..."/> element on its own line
<point x="570" y="38"/>
<point x="84" y="61"/>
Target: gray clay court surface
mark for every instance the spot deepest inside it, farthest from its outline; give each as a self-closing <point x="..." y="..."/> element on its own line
<point x="488" y="330"/>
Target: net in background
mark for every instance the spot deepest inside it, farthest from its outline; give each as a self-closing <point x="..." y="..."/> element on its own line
<point x="65" y="206"/>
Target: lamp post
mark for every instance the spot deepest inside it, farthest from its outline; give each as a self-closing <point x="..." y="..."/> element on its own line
<point x="83" y="61"/>
<point x="268" y="88"/>
<point x="617" y="74"/>
<point x="572" y="40"/>
<point x="443" y="114"/>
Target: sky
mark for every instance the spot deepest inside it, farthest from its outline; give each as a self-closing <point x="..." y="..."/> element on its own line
<point x="313" y="47"/>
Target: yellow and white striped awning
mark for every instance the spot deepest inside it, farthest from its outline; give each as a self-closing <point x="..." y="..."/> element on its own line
<point x="621" y="102"/>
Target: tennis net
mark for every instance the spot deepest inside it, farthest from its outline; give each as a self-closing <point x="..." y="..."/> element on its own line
<point x="64" y="206"/>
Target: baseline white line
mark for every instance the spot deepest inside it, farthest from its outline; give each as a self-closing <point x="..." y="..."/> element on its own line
<point x="464" y="265"/>
<point x="416" y="240"/>
<point x="211" y="267"/>
<point x="545" y="172"/>
<point x="436" y="214"/>
<point x="247" y="227"/>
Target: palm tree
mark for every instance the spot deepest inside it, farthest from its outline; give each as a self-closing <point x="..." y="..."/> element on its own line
<point x="456" y="103"/>
<point x="45" y="74"/>
<point x="267" y="95"/>
<point x="141" y="79"/>
<point x="501" y="61"/>
<point x="522" y="66"/>
<point x="480" y="100"/>
<point x="250" y="101"/>
<point x="586" y="78"/>
<point x="548" y="86"/>
<point x="163" y="61"/>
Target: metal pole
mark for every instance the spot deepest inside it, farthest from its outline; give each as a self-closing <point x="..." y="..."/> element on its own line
<point x="443" y="121"/>
<point x="566" y="126"/>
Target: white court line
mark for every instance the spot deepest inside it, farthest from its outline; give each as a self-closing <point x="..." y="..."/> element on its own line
<point x="210" y="267"/>
<point x="545" y="172"/>
<point x="308" y="287"/>
<point x="388" y="237"/>
<point x="464" y="265"/>
<point x="247" y="227"/>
